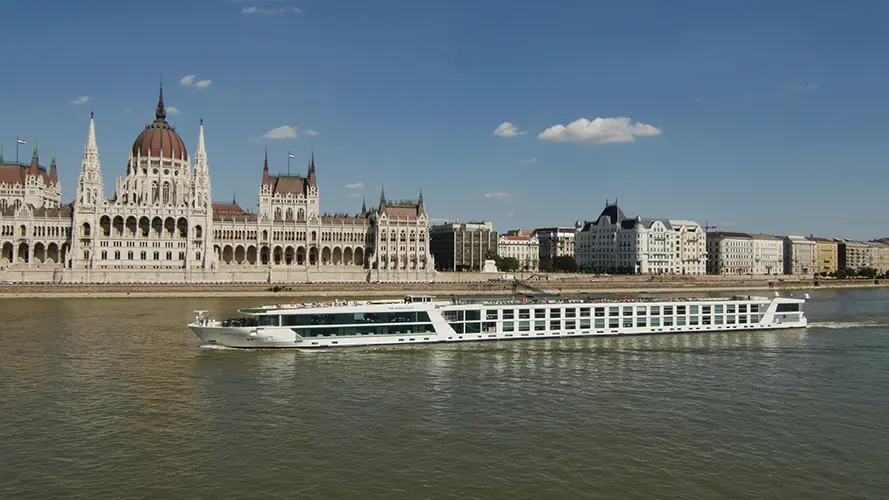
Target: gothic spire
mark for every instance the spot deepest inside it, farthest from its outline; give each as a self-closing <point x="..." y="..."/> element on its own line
<point x="53" y="176"/>
<point x="1" y="153"/>
<point x="265" y="167"/>
<point x="420" y="199"/>
<point x="363" y="206"/>
<point x="202" y="151"/>
<point x="382" y="195"/>
<point x="35" y="162"/>
<point x="234" y="198"/>
<point x="91" y="138"/>
<point x="311" y="176"/>
<point x="161" y="112"/>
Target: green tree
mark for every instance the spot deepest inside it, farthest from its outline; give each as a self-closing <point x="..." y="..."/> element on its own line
<point x="565" y="264"/>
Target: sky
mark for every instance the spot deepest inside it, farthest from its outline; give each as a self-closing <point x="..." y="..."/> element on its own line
<point x="757" y="116"/>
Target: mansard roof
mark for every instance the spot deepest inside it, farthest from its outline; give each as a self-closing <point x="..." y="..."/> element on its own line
<point x="401" y="209"/>
<point x="14" y="173"/>
<point x="231" y="211"/>
<point x="343" y="219"/>
<point x="613" y="212"/>
<point x="646" y="223"/>
<point x="287" y="184"/>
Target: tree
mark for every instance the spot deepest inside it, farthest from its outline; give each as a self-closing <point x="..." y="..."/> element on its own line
<point x="565" y="263"/>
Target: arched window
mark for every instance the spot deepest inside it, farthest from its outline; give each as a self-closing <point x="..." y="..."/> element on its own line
<point x="198" y="232"/>
<point x="155" y="192"/>
<point x="166" y="193"/>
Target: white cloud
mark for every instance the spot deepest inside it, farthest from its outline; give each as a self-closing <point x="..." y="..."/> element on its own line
<point x="498" y="195"/>
<point x="599" y="131"/>
<point x="173" y="110"/>
<point x="282" y="132"/>
<point x="507" y="129"/>
<point x="529" y="161"/>
<point x="311" y="132"/>
<point x="188" y="81"/>
<point x="357" y="185"/>
<point x="271" y="12"/>
<point x="354" y="195"/>
<point x="81" y="100"/>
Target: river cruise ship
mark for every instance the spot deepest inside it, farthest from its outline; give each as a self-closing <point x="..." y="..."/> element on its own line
<point x="423" y="320"/>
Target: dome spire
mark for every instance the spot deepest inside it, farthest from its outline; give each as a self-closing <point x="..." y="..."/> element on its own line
<point x="161" y="112"/>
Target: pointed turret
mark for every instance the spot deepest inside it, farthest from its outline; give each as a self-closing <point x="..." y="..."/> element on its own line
<point x="35" y="162"/>
<point x="234" y="198"/>
<point x="91" y="145"/>
<point x="363" y="206"/>
<point x="265" y="167"/>
<point x="53" y="176"/>
<point x="1" y="153"/>
<point x="311" y="177"/>
<point x="160" y="113"/>
<point x="382" y="207"/>
<point x="200" y="158"/>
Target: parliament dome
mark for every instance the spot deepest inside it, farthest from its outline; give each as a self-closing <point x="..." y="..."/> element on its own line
<point x="160" y="139"/>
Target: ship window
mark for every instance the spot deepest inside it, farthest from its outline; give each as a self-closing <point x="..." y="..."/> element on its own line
<point x="668" y="321"/>
<point x="600" y="312"/>
<point x="640" y="310"/>
<point x="680" y="310"/>
<point x="613" y="311"/>
<point x="742" y="308"/>
<point x="680" y="321"/>
<point x="628" y="311"/>
<point x="490" y="327"/>
<point x="730" y="319"/>
<point x="718" y="308"/>
<point x="555" y="325"/>
<point x="628" y="322"/>
<point x="613" y="323"/>
<point x="787" y="307"/>
<point x="655" y="322"/>
<point x="539" y="326"/>
<point x="555" y="313"/>
<point x="509" y="326"/>
<point x="705" y="309"/>
<point x="655" y="310"/>
<point x="730" y="309"/>
<point x="600" y="323"/>
<point x="268" y="320"/>
<point x="524" y="326"/>
<point x="473" y="315"/>
<point x="524" y="313"/>
<point x="584" y="323"/>
<point x="508" y="313"/>
<point x="668" y="310"/>
<point x="693" y="320"/>
<point x="474" y="327"/>
<point x="571" y="313"/>
<point x="705" y="320"/>
<point x="717" y="320"/>
<point x="693" y="310"/>
<point x="491" y="314"/>
<point x="540" y="313"/>
<point x="584" y="312"/>
<point x="640" y="322"/>
<point x="742" y="318"/>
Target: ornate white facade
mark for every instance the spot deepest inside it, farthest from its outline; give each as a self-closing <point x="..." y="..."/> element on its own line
<point x="799" y="256"/>
<point x="768" y="254"/>
<point x="161" y="225"/>
<point x="523" y="247"/>
<point x="614" y="243"/>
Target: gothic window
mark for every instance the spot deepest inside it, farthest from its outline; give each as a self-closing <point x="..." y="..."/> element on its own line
<point x="125" y="198"/>
<point x="166" y="193"/>
<point x="289" y="214"/>
<point x="301" y="214"/>
<point x="277" y="214"/>
<point x="155" y="192"/>
<point x="157" y="255"/>
<point x="85" y="227"/>
<point x="198" y="232"/>
<point x="198" y="256"/>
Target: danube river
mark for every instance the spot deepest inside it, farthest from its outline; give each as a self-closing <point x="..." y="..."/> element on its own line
<point x="114" y="399"/>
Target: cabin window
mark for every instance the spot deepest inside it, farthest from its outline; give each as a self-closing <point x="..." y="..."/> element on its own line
<point x="613" y="323"/>
<point x="539" y="326"/>
<point x="680" y="320"/>
<point x="570" y="324"/>
<point x="718" y="309"/>
<point x="613" y="311"/>
<point x="730" y="309"/>
<point x="584" y="312"/>
<point x="584" y="323"/>
<point x="693" y="310"/>
<point x="705" y="309"/>
<point x="524" y="326"/>
<point x="628" y="322"/>
<point x="705" y="320"/>
<point x="600" y="312"/>
<point x="600" y="322"/>
<point x="668" y="321"/>
<point x="509" y="314"/>
<point x="269" y="320"/>
<point x="640" y="310"/>
<point x="628" y="311"/>
<point x="787" y="307"/>
<point x="524" y="313"/>
<point x="668" y="310"/>
<point x="730" y="320"/>
<point x="555" y="325"/>
<point x="693" y="320"/>
<point x="655" y="310"/>
<point x="555" y="313"/>
<point x="640" y="322"/>
<point x="473" y="315"/>
<point x="655" y="322"/>
<point x="491" y="314"/>
<point x="490" y="327"/>
<point x="509" y="326"/>
<point x="571" y="313"/>
<point x="718" y="319"/>
<point x="473" y="327"/>
<point x="539" y="313"/>
<point x="680" y="310"/>
<point x="742" y="308"/>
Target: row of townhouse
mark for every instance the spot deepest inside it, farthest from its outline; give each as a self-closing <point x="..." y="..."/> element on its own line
<point x="734" y="253"/>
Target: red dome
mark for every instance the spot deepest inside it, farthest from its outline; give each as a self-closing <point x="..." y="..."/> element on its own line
<point x="159" y="138"/>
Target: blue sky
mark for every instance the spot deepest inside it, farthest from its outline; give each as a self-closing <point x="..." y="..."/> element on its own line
<point x="755" y="116"/>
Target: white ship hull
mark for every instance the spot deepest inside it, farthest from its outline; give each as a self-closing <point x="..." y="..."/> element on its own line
<point x="322" y="326"/>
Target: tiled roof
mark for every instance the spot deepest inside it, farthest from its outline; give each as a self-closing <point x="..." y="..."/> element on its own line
<point x="11" y="173"/>
<point x="285" y="184"/>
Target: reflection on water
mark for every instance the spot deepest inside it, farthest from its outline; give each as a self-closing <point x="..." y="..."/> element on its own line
<point x="116" y="399"/>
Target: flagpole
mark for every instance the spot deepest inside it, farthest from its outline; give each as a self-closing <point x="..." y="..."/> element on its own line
<point x="288" y="163"/>
<point x="16" y="150"/>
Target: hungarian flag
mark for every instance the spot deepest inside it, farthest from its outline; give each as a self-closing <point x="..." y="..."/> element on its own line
<point x="20" y="141"/>
<point x="290" y="155"/>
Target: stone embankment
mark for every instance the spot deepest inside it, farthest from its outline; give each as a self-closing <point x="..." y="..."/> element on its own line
<point x="563" y="285"/>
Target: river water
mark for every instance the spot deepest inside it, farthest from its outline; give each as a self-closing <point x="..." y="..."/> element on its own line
<point x="113" y="399"/>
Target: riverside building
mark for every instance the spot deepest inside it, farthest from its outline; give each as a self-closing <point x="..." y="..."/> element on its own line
<point x="162" y="226"/>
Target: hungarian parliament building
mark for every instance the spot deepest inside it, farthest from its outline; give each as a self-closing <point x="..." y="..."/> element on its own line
<point x="162" y="227"/>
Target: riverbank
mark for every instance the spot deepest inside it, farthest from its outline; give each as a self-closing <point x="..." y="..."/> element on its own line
<point x="623" y="285"/>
